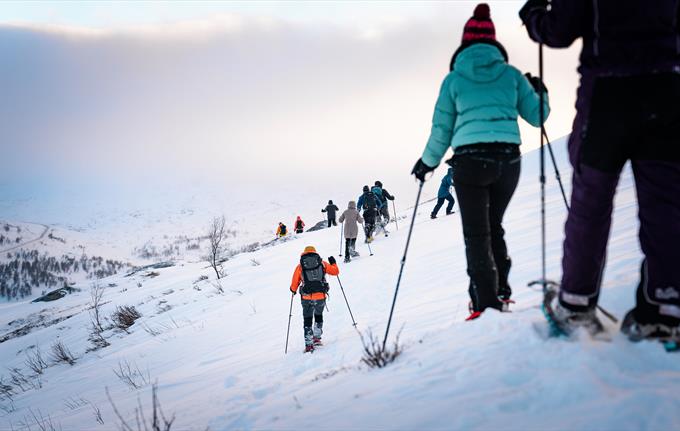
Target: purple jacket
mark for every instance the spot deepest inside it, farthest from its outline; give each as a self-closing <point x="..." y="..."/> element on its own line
<point x="620" y="37"/>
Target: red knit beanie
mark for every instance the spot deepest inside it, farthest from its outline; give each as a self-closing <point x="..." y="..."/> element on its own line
<point x="480" y="25"/>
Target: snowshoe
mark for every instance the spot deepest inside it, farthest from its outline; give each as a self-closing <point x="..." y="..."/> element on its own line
<point x="354" y="253"/>
<point x="317" y="341"/>
<point x="347" y="259"/>
<point x="309" y="348"/>
<point x="563" y="322"/>
<point x="635" y="331"/>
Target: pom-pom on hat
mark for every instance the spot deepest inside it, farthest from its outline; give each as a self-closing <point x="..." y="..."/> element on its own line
<point x="310" y="249"/>
<point x="480" y="25"/>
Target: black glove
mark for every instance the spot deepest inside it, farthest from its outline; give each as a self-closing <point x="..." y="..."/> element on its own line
<point x="331" y="260"/>
<point x="531" y="5"/>
<point x="536" y="82"/>
<point x="421" y="169"/>
<point x="293" y="292"/>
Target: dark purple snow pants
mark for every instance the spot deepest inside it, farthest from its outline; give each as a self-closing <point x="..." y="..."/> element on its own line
<point x="619" y="119"/>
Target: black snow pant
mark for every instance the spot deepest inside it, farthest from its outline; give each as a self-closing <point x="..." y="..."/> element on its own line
<point x="350" y="245"/>
<point x="385" y="213"/>
<point x="312" y="311"/>
<point x="331" y="221"/>
<point x="440" y="202"/>
<point x="369" y="222"/>
<point x="485" y="177"/>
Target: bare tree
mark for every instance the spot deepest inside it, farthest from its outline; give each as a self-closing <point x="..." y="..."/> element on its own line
<point x="216" y="235"/>
<point x="96" y="294"/>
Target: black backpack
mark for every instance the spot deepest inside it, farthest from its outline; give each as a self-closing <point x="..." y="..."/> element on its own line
<point x="283" y="229"/>
<point x="370" y="201"/>
<point x="313" y="276"/>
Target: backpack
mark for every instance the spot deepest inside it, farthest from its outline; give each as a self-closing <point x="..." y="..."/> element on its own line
<point x="313" y="276"/>
<point x="370" y="201"/>
<point x="283" y="229"/>
<point x="298" y="224"/>
<point x="378" y="192"/>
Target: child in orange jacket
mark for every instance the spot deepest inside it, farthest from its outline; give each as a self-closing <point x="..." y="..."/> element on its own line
<point x="310" y="278"/>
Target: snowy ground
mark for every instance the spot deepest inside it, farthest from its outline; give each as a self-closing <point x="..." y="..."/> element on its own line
<point x="219" y="357"/>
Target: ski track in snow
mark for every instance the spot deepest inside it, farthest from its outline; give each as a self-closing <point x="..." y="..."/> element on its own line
<point x="219" y="359"/>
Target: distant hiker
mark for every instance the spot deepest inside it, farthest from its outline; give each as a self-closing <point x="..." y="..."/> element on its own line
<point x="350" y="217"/>
<point x="476" y="114"/>
<point x="299" y="225"/>
<point x="384" y="197"/>
<point x="330" y="211"/>
<point x="444" y="194"/>
<point x="627" y="109"/>
<point x="281" y="231"/>
<point x="370" y="204"/>
<point x="310" y="276"/>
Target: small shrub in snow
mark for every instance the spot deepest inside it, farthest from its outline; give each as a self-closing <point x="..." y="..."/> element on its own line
<point x="374" y="354"/>
<point x="96" y="295"/>
<point x="158" y="420"/>
<point x="35" y="361"/>
<point x="125" y="316"/>
<point x="21" y="381"/>
<point x="38" y="421"/>
<point x="61" y="353"/>
<point x="97" y="414"/>
<point x="131" y="375"/>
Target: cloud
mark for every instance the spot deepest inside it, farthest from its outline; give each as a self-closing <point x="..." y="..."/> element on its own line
<point x="231" y="97"/>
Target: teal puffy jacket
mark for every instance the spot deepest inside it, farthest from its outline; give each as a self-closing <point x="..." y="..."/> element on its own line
<point x="479" y="102"/>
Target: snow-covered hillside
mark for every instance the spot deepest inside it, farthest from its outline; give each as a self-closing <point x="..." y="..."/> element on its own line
<point x="217" y="349"/>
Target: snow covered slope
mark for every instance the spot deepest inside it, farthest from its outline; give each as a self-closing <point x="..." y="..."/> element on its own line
<point x="217" y="350"/>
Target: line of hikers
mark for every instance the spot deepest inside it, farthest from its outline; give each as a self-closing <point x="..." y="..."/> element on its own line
<point x="376" y="214"/>
<point x="631" y="52"/>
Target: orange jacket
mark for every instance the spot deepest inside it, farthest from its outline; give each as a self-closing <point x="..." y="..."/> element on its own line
<point x="297" y="280"/>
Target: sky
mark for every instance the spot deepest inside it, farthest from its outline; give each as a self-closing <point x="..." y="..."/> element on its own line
<point x="237" y="94"/>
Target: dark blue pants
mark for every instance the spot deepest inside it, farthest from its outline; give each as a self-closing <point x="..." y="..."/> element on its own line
<point x="637" y="119"/>
<point x="440" y="202"/>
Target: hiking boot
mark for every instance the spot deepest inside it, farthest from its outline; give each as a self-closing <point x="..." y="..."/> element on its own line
<point x="317" y="341"/>
<point x="354" y="253"/>
<point x="450" y="212"/>
<point x="347" y="258"/>
<point x="569" y="321"/>
<point x="309" y="348"/>
<point x="433" y="216"/>
<point x="636" y="331"/>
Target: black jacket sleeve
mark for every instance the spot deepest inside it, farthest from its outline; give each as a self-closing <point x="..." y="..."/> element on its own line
<point x="566" y="21"/>
<point x="387" y="195"/>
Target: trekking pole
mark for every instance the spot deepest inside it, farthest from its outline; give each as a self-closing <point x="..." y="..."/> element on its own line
<point x="354" y="323"/>
<point x="395" y="215"/>
<point x="403" y="262"/>
<point x="342" y="230"/>
<point x="290" y="314"/>
<point x="557" y="171"/>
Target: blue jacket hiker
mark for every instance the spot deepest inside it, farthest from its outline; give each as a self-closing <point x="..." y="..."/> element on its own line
<point x="444" y="194"/>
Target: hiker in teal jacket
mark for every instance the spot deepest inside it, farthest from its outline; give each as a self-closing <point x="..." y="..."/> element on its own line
<point x="476" y="114"/>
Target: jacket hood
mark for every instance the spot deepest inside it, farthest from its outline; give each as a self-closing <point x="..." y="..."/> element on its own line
<point x="352" y="205"/>
<point x="480" y="62"/>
